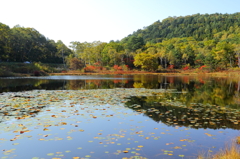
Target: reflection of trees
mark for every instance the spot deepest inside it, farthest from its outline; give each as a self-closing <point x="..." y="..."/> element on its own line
<point x="199" y="89"/>
<point x="145" y="81"/>
<point x="75" y="84"/>
<point x="236" y="96"/>
<point x="98" y="84"/>
<point x="15" y="85"/>
<point x="195" y="115"/>
<point x="217" y="92"/>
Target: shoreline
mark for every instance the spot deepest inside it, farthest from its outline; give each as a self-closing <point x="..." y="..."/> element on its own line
<point x="214" y="74"/>
<point x="228" y="73"/>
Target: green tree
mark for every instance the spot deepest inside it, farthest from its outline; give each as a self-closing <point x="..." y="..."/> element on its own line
<point x="113" y="54"/>
<point x="146" y="61"/>
<point x="161" y="55"/>
<point x="190" y="54"/>
<point x="237" y="52"/>
<point x="134" y="43"/>
<point x="63" y="51"/>
<point x="224" y="54"/>
<point x="5" y="48"/>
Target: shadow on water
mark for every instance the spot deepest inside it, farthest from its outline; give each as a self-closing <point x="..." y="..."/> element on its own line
<point x="15" y="84"/>
<point x="196" y="115"/>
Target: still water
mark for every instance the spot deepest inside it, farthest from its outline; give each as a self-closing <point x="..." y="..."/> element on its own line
<point x="121" y="116"/>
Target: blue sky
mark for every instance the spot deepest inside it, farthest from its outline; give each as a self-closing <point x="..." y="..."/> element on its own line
<point x="103" y="20"/>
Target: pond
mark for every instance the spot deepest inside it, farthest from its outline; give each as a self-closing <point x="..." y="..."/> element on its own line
<point x="117" y="116"/>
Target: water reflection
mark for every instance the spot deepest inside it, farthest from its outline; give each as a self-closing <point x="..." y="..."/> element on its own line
<point x="201" y="103"/>
<point x="200" y="89"/>
<point x="196" y="115"/>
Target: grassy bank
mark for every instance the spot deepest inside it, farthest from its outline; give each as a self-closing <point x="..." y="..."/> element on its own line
<point x="227" y="73"/>
<point x="9" y="69"/>
<point x="231" y="151"/>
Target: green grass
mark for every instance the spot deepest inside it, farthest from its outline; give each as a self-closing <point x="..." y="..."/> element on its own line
<point x="16" y="68"/>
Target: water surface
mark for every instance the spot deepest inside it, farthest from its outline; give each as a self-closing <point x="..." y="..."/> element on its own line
<point x="117" y="116"/>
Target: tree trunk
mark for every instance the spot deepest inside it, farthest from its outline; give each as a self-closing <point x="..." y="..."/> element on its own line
<point x="63" y="59"/>
<point x="238" y="56"/>
<point x="238" y="86"/>
<point x="165" y="62"/>
<point x="230" y="62"/>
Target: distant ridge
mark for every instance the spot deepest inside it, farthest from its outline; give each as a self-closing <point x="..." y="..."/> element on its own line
<point x="198" y="26"/>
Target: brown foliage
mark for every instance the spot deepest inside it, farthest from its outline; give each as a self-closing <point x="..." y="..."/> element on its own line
<point x="75" y="64"/>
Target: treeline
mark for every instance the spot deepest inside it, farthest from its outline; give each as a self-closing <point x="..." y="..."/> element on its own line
<point x="195" y="41"/>
<point x="19" y="44"/>
<point x="221" y="52"/>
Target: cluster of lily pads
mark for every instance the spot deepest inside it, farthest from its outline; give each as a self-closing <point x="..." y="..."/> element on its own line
<point x="29" y="103"/>
<point x="196" y="115"/>
<point x="22" y="113"/>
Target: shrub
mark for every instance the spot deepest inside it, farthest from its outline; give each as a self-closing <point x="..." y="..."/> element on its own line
<point x="36" y="73"/>
<point x="186" y="68"/>
<point x="39" y="73"/>
<point x="89" y="68"/>
<point x="5" y="73"/>
<point x="125" y="67"/>
<point x="202" y="67"/>
<point x="170" y="66"/>
<point x="116" y="67"/>
<point x="75" y="63"/>
<point x="21" y="70"/>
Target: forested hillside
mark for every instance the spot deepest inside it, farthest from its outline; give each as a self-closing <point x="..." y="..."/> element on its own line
<point x="196" y="41"/>
<point x="19" y="44"/>
<point x="197" y="26"/>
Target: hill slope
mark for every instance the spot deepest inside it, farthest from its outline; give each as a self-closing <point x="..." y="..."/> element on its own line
<point x="197" y="26"/>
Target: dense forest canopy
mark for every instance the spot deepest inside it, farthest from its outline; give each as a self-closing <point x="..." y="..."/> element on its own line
<point x="19" y="44"/>
<point x="197" y="26"/>
<point x="209" y="40"/>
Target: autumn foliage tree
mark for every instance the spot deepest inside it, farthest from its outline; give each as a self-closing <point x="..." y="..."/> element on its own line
<point x="146" y="61"/>
<point x="75" y="64"/>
